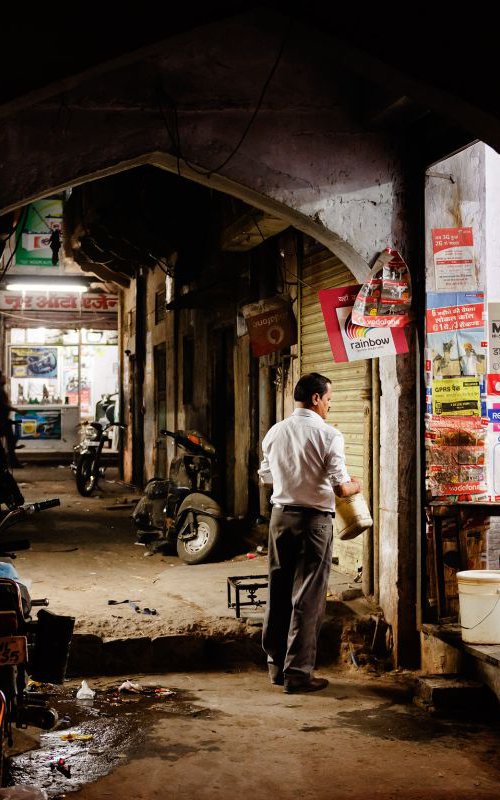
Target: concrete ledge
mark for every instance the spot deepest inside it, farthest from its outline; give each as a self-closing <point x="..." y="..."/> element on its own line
<point x="91" y="655"/>
<point x="452" y="635"/>
<point x="480" y="660"/>
<point x="490" y="653"/>
<point x="450" y="694"/>
<point x="133" y="654"/>
<point x="177" y="653"/>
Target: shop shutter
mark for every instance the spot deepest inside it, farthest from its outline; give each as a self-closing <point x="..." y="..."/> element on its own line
<point x="351" y="405"/>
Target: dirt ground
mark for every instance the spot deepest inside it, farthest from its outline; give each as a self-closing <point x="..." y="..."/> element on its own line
<point x="232" y="735"/>
<point x="224" y="734"/>
<point x="83" y="555"/>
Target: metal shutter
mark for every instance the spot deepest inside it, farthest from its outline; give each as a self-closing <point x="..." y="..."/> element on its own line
<point x="351" y="404"/>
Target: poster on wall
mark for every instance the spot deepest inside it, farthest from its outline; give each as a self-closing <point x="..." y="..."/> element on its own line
<point x="493" y="387"/>
<point x="384" y="300"/>
<point x="455" y="335"/>
<point x="494" y="451"/>
<point x="33" y="362"/>
<point x="39" y="424"/>
<point x="456" y="457"/>
<point x="351" y="342"/>
<point x="456" y="397"/>
<point x="42" y="227"/>
<point x="455" y="265"/>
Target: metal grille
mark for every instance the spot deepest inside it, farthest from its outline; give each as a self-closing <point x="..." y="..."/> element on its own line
<point x="351" y="381"/>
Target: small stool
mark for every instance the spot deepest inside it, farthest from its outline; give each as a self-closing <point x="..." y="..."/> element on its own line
<point x="250" y="584"/>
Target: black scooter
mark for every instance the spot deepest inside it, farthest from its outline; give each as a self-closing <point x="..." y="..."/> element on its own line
<point x="39" y="648"/>
<point x="181" y="511"/>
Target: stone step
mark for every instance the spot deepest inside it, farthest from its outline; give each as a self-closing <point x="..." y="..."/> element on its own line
<point x="451" y="695"/>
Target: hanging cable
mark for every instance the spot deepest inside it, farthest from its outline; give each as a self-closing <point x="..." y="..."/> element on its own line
<point x="173" y="128"/>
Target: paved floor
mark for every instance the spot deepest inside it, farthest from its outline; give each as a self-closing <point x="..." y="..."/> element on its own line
<point x="83" y="555"/>
<point x="240" y="737"/>
<point x="233" y="735"/>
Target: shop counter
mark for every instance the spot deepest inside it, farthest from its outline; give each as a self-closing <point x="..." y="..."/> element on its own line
<point x="47" y="428"/>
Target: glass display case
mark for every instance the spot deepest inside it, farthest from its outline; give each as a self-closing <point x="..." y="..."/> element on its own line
<point x="57" y="377"/>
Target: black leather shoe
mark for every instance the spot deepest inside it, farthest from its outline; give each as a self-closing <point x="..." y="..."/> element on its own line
<point x="276" y="675"/>
<point x="301" y="686"/>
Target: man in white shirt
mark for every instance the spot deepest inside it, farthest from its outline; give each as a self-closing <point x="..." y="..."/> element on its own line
<point x="303" y="457"/>
<point x="468" y="362"/>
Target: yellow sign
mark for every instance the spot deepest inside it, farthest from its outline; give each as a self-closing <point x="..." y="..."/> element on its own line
<point x="456" y="397"/>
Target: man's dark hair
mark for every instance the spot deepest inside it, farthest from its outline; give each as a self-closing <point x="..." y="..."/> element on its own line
<point x="307" y="385"/>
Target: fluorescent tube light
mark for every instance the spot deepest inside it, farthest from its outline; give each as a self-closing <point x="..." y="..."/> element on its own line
<point x="18" y="286"/>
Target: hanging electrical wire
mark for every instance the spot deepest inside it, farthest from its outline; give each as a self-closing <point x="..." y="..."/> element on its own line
<point x="172" y="125"/>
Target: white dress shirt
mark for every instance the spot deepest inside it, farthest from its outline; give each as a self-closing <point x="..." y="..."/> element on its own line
<point x="303" y="457"/>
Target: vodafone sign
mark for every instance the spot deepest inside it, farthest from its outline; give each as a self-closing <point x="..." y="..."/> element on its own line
<point x="271" y="325"/>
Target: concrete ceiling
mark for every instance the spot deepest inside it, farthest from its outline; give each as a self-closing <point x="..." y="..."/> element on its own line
<point x="72" y="72"/>
<point x="400" y="67"/>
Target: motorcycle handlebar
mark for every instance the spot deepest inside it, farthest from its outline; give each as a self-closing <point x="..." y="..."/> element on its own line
<point x="28" y="508"/>
<point x="43" y="505"/>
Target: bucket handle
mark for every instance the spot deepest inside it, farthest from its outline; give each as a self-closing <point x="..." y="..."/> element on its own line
<point x="471" y="627"/>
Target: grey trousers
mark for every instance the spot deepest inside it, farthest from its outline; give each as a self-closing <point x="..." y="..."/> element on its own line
<point x="300" y="558"/>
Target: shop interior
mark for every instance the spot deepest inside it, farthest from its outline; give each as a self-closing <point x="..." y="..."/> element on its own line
<point x="57" y="378"/>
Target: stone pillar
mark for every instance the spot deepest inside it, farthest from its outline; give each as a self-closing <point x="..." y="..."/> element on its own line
<point x="397" y="543"/>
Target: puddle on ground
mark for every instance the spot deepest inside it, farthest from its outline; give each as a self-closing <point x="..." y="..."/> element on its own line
<point x="410" y="725"/>
<point x="116" y="722"/>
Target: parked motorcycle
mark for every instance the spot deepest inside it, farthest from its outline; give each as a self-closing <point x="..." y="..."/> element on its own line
<point x="87" y="455"/>
<point x="37" y="648"/>
<point x="181" y="510"/>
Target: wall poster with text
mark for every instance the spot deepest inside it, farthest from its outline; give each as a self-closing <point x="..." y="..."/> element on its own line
<point x="33" y="362"/>
<point x="455" y="340"/>
<point x="455" y="265"/>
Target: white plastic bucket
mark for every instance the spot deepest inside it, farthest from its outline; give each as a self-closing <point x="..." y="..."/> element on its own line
<point x="479" y="597"/>
<point x="352" y="516"/>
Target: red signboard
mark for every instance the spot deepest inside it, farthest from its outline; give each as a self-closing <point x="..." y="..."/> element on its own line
<point x="271" y="325"/>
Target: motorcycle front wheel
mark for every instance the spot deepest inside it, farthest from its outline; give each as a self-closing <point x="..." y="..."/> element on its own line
<point x="86" y="481"/>
<point x="198" y="549"/>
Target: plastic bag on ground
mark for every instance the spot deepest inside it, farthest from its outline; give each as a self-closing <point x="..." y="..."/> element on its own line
<point x="130" y="686"/>
<point x="85" y="692"/>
